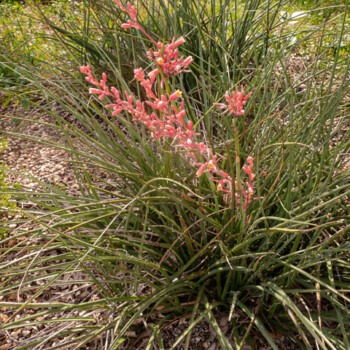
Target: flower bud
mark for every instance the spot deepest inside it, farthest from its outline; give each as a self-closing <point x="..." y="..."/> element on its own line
<point x="175" y="95"/>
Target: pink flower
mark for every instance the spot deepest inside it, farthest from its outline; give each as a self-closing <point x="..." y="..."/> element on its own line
<point x="133" y="23"/>
<point x="168" y="60"/>
<point x="249" y="191"/>
<point x="132" y="11"/>
<point x="177" y="94"/>
<point x="139" y="74"/>
<point x="210" y="166"/>
<point x="153" y="74"/>
<point x="248" y="169"/>
<point x="235" y="102"/>
<point x="120" y="5"/>
<point x="147" y="85"/>
<point x="85" y="69"/>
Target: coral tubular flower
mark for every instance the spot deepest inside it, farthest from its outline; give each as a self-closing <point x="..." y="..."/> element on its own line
<point x="235" y="102"/>
<point x="249" y="191"/>
<point x="177" y="94"/>
<point x="139" y="74"/>
<point x="168" y="60"/>
<point x="85" y="69"/>
<point x="133" y="23"/>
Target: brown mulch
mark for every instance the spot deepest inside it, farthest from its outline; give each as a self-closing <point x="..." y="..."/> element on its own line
<point x="27" y="162"/>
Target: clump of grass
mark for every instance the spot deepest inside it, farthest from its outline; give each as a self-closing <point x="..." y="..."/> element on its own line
<point x="158" y="243"/>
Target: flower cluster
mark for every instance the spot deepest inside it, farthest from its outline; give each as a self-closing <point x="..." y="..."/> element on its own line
<point x="167" y="58"/>
<point x="235" y="102"/>
<point x="166" y="119"/>
<point x="164" y="114"/>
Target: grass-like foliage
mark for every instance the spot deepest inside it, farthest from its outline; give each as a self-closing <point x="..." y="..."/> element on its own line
<point x="168" y="228"/>
<point x="6" y="205"/>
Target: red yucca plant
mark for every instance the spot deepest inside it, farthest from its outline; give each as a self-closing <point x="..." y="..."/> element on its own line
<point x="167" y="117"/>
<point x="171" y="226"/>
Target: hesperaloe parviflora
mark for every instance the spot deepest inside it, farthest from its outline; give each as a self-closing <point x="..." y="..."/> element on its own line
<point x="167" y="117"/>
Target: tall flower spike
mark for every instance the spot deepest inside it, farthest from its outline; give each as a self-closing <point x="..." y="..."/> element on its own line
<point x="133" y="23"/>
<point x="166" y="56"/>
